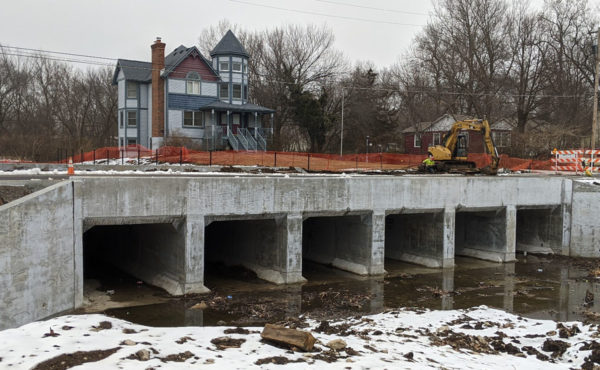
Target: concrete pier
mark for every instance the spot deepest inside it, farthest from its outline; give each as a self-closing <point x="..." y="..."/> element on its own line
<point x="166" y="230"/>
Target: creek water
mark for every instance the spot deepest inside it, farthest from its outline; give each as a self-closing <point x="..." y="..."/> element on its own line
<point x="542" y="287"/>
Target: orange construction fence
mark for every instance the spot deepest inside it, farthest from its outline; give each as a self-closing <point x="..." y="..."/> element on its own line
<point x="134" y="154"/>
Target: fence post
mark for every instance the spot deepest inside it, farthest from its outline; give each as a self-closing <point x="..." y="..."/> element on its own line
<point x="180" y="155"/>
<point x="80" y="155"/>
<point x="94" y="157"/>
<point x="381" y="160"/>
<point x="138" y="157"/>
<point x="308" y="162"/>
<point x="107" y="159"/>
<point x="210" y="157"/>
<point x="356" y="157"/>
<point x="156" y="155"/>
<point x="275" y="161"/>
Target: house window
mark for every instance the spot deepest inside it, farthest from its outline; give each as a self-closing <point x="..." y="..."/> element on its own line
<point x="501" y="139"/>
<point x="193" y="119"/>
<point x="224" y="91"/>
<point x="245" y="92"/>
<point x="132" y="118"/>
<point x="224" y="66"/>
<point x="237" y="91"/>
<point x="236" y="67"/>
<point x="223" y="118"/>
<point x="121" y="121"/>
<point x="437" y="138"/>
<point x="131" y="90"/>
<point x="131" y="141"/>
<point x="245" y="67"/>
<point x="417" y="141"/>
<point x="192" y="85"/>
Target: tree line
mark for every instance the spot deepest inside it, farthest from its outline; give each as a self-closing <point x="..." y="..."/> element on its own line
<point x="491" y="59"/>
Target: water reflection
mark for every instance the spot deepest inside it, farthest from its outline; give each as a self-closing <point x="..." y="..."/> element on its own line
<point x="536" y="287"/>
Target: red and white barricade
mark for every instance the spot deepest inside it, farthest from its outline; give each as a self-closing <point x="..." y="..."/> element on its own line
<point x="578" y="160"/>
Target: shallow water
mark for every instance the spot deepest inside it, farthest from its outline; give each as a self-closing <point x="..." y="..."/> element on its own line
<point x="534" y="286"/>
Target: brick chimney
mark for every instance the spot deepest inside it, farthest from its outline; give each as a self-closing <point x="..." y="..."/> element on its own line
<point x="158" y="89"/>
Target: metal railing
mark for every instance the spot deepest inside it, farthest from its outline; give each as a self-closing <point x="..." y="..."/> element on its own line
<point x="260" y="140"/>
<point x="252" y="145"/>
<point x="233" y="141"/>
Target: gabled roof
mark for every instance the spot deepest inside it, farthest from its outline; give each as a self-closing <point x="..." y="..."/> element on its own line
<point x="445" y="122"/>
<point x="133" y="70"/>
<point x="420" y="127"/>
<point x="229" y="45"/>
<point x="179" y="55"/>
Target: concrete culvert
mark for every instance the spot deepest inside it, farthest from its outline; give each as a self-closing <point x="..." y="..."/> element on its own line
<point x="416" y="238"/>
<point x="340" y="241"/>
<point x="482" y="234"/>
<point x="152" y="253"/>
<point x="539" y="230"/>
<point x="244" y="249"/>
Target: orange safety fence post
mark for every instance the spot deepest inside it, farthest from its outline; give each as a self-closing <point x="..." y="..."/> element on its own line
<point x="70" y="169"/>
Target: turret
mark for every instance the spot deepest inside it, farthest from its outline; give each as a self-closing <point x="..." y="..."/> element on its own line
<point x="230" y="60"/>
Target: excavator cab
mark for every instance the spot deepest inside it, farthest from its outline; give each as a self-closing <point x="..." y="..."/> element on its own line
<point x="461" y="146"/>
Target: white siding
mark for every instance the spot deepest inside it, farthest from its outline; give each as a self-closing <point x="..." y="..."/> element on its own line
<point x="236" y="77"/>
<point x="175" y="120"/>
<point x="176" y="126"/>
<point x="176" y="86"/>
<point x="236" y="59"/>
<point x="236" y="102"/>
<point x="209" y="89"/>
<point x="121" y="88"/>
<point x="225" y="77"/>
<point x="245" y="79"/>
<point x="143" y="96"/>
<point x="131" y="103"/>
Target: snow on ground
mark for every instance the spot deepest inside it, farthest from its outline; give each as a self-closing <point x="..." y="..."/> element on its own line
<point x="409" y="338"/>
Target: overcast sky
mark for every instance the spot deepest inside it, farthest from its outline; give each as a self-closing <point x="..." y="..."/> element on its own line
<point x="126" y="28"/>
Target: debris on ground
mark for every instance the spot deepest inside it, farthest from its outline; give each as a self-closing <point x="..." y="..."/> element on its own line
<point x="474" y="338"/>
<point x="293" y="338"/>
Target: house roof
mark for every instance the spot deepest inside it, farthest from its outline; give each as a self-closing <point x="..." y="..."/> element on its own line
<point x="510" y="124"/>
<point x="248" y="107"/>
<point x="444" y="123"/>
<point x="420" y="127"/>
<point x="229" y="45"/>
<point x="179" y="55"/>
<point x="133" y="70"/>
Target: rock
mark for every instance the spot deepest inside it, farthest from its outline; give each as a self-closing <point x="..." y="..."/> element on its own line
<point x="290" y="337"/>
<point x="336" y="344"/>
<point x="199" y="306"/>
<point x="128" y="342"/>
<point x="143" y="355"/>
<point x="221" y="323"/>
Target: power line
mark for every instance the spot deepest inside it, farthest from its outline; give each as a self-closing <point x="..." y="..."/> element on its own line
<point x="326" y="15"/>
<point x="371" y="7"/>
<point x="266" y="78"/>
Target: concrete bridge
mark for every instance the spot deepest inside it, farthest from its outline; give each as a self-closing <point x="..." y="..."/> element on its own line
<point x="164" y="230"/>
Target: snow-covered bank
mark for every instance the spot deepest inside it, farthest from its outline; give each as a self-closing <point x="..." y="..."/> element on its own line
<point x="473" y="339"/>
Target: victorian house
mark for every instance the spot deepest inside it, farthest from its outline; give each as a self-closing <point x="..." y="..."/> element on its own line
<point x="187" y="96"/>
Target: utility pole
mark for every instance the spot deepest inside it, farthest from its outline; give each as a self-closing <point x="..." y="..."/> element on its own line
<point x="342" y="130"/>
<point x="595" y="114"/>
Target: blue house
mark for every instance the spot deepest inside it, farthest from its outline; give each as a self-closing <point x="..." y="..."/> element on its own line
<point x="187" y="96"/>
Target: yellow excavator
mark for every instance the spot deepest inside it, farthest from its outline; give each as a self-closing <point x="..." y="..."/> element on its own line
<point x="451" y="156"/>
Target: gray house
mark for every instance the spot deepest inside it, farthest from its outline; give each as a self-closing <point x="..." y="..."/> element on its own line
<point x="186" y="96"/>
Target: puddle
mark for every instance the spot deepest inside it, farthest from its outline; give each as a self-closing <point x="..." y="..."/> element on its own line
<point x="537" y="287"/>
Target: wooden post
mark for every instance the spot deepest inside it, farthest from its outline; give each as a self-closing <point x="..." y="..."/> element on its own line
<point x="291" y="337"/>
<point x="308" y="162"/>
<point x="210" y="157"/>
<point x="275" y="161"/>
<point x="94" y="156"/>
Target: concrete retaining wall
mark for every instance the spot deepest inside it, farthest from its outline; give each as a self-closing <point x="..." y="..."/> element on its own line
<point x="41" y="249"/>
<point x="37" y="255"/>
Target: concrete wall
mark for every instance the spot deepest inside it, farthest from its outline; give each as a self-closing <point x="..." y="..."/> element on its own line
<point x="38" y="240"/>
<point x="585" y="222"/>
<point x="41" y="247"/>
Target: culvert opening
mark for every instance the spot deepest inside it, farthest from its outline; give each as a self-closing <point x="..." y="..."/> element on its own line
<point x="416" y="238"/>
<point x="481" y="234"/>
<point x="539" y="230"/>
<point x="242" y="250"/>
<point x="142" y="253"/>
<point x="339" y="241"/>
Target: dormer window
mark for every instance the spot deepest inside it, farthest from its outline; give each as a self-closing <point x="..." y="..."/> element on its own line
<point x="192" y="85"/>
<point x="224" y="66"/>
<point x="236" y="67"/>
